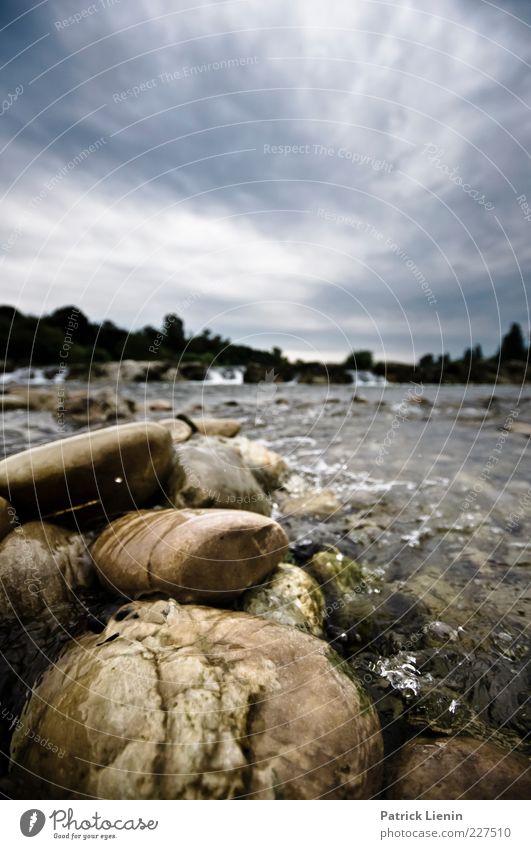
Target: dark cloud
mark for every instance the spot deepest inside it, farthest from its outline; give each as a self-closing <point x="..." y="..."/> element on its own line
<point x="347" y="158"/>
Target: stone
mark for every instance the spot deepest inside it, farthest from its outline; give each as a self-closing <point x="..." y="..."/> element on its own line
<point x="217" y="427"/>
<point x="6" y="517"/>
<point x="192" y="555"/>
<point x="457" y="768"/>
<point x="521" y="427"/>
<point x="178" y="429"/>
<point x="41" y="567"/>
<point x="186" y="702"/>
<point x="321" y="504"/>
<point x="104" y="406"/>
<point x="290" y="597"/>
<point x="28" y="398"/>
<point x="268" y="467"/>
<point x="210" y="472"/>
<point x="106" y="471"/>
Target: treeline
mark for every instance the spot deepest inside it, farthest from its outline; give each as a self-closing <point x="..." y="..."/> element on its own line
<point x="67" y="336"/>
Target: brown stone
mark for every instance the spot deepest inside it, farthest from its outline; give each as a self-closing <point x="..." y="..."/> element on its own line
<point x="457" y="768"/>
<point x="193" y="555"/>
<point x="185" y="702"/>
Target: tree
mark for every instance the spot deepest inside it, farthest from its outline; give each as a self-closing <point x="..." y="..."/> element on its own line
<point x="513" y="346"/>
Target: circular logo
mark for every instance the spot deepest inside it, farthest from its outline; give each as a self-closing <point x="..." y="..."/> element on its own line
<point x="32" y="822"/>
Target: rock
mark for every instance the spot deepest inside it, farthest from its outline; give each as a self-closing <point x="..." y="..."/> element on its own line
<point x="290" y="597"/>
<point x="184" y="702"/>
<point x="179" y="430"/>
<point x="217" y="427"/>
<point x="104" y="406"/>
<point x="210" y="472"/>
<point x="6" y="516"/>
<point x="268" y="467"/>
<point x="321" y="504"/>
<point x="192" y="555"/>
<point x="28" y="398"/>
<point x="41" y="567"/>
<point x="106" y="471"/>
<point x="457" y="768"/>
<point x="13" y="402"/>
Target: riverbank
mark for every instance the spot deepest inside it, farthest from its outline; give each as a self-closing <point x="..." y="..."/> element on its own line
<point x="406" y="517"/>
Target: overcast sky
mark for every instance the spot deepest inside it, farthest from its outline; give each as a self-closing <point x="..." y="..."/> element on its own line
<point x="314" y="175"/>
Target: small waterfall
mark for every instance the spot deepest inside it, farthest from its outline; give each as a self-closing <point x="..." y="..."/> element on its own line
<point x="225" y="375"/>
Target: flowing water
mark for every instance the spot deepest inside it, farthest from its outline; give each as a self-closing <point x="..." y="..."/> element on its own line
<point x="433" y="497"/>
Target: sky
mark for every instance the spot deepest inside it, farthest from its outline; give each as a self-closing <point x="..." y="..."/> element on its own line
<point x="323" y="177"/>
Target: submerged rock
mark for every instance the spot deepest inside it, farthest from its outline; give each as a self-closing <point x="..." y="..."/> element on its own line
<point x="457" y="768"/>
<point x="290" y="597"/>
<point x="217" y="427"/>
<point x="106" y="471"/>
<point x="192" y="555"/>
<point x="184" y="702"/>
<point x="91" y="408"/>
<point x="210" y="472"/>
<point x="41" y="567"/>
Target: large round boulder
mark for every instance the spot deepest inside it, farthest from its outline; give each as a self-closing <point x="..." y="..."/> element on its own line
<point x="192" y="555"/>
<point x="103" y="472"/>
<point x="41" y="567"/>
<point x="210" y="472"/>
<point x="185" y="702"/>
<point x="458" y="768"/>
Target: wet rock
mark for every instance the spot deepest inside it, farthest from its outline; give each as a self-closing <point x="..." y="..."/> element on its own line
<point x="322" y="504"/>
<point x="521" y="427"/>
<point x="268" y="467"/>
<point x="210" y="472"/>
<point x="28" y="398"/>
<point x="41" y="567"/>
<point x="192" y="555"/>
<point x="217" y="427"/>
<point x="104" y="406"/>
<point x="187" y="702"/>
<point x="159" y="405"/>
<point x="106" y="471"/>
<point x="6" y="517"/>
<point x="179" y="430"/>
<point x="457" y="768"/>
<point x="290" y="597"/>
